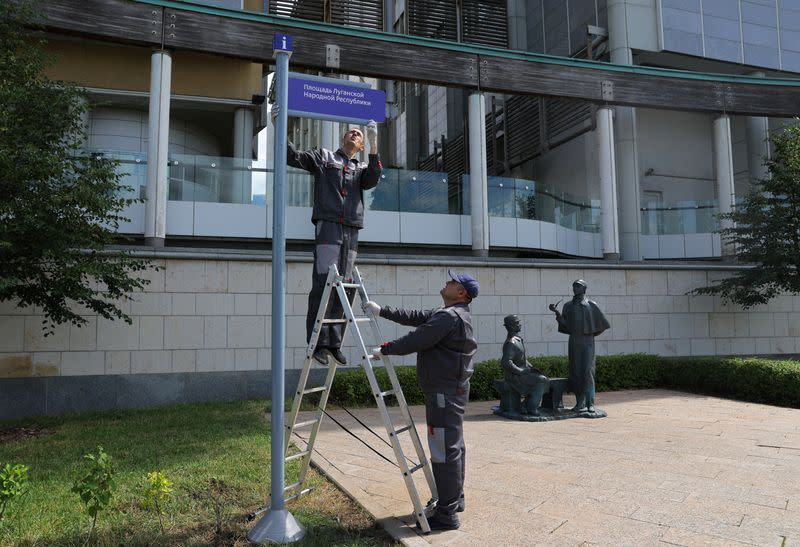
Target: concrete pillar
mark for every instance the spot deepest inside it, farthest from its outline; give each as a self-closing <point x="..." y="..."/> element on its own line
<point x="607" y="168"/>
<point x="757" y="129"/>
<point x="723" y="169"/>
<point x="155" y="225"/>
<point x="627" y="154"/>
<point x="243" y="122"/>
<point x="517" y="27"/>
<point x="478" y="183"/>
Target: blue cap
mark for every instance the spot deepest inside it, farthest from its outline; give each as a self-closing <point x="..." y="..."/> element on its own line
<point x="470" y="283"/>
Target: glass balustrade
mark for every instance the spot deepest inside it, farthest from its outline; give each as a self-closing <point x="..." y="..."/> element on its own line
<point x="133" y="168"/>
<point x="521" y="198"/>
<point x="219" y="179"/>
<point x="680" y="217"/>
<point x="408" y="191"/>
<point x="215" y="179"/>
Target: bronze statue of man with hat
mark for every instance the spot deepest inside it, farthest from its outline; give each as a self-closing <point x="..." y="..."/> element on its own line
<point x="582" y="319"/>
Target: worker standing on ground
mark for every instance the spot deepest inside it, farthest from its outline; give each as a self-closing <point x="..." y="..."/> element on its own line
<point x="445" y="347"/>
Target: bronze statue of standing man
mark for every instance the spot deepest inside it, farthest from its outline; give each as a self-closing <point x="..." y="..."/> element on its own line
<point x="582" y="320"/>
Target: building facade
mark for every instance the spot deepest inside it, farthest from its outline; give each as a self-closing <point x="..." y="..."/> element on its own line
<point x="567" y="188"/>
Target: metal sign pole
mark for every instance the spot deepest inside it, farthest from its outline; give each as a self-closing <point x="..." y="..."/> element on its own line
<point x="278" y="525"/>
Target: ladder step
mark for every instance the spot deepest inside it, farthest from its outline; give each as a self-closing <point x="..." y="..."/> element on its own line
<point x="350" y="285"/>
<point x="297" y="456"/>
<point x="401" y="430"/>
<point x="303" y="424"/>
<point x="300" y="493"/>
<point x="314" y="390"/>
<point x="385" y="393"/>
<point x="293" y="485"/>
<point x="413" y="469"/>
<point x="340" y="321"/>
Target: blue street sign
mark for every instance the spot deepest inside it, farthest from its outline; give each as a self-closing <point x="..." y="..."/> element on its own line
<point x="281" y="42"/>
<point x="332" y="99"/>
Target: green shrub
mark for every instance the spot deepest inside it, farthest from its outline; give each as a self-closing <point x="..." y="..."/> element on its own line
<point x="481" y="385"/>
<point x="351" y="388"/>
<point x="631" y="371"/>
<point x="756" y="380"/>
<point x="13" y="484"/>
<point x="96" y="486"/>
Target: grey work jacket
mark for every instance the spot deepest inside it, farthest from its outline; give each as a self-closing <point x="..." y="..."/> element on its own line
<point x="444" y="343"/>
<point x="339" y="183"/>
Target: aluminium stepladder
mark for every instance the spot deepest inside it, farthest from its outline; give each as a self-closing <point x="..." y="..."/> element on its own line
<point x="335" y="284"/>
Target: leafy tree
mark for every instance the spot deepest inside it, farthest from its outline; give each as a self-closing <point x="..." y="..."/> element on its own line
<point x="58" y="204"/>
<point x="766" y="231"/>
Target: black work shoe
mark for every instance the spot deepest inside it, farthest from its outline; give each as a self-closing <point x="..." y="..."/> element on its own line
<point x="321" y="356"/>
<point x="337" y="354"/>
<point x="438" y="525"/>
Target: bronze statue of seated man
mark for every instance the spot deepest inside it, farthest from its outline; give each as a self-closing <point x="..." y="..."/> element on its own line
<point x="521" y="379"/>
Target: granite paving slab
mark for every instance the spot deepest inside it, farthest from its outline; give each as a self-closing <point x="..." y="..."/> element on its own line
<point x="664" y="468"/>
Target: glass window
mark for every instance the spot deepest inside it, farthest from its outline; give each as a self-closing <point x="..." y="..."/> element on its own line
<point x="556" y="39"/>
<point x="581" y="14"/>
<point x="728" y="9"/>
<point x="759" y="14"/>
<point x="761" y="56"/>
<point x="533" y="17"/>
<point x="789" y="17"/>
<point x="725" y="50"/>
<point x="683" y="42"/>
<point x="760" y="36"/>
<point x="717" y="27"/>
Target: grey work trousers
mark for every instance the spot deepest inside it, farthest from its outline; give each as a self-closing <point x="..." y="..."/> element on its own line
<point x="333" y="244"/>
<point x="445" y="417"/>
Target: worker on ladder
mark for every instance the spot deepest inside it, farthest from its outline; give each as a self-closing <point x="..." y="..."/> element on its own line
<point x="445" y="346"/>
<point x="338" y="214"/>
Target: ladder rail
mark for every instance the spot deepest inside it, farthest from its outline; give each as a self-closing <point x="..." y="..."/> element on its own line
<point x="312" y="344"/>
<point x="336" y="284"/>
<point x="312" y="436"/>
<point x="401" y="398"/>
<point x="419" y="506"/>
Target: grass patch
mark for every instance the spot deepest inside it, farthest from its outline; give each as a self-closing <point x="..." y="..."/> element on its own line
<point x="191" y="445"/>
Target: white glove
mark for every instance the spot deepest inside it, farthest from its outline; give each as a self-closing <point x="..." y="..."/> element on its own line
<point x="372" y="307"/>
<point x="376" y="353"/>
<point x="372" y="136"/>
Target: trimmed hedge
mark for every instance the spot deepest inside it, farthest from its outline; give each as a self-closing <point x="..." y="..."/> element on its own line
<point x="751" y="379"/>
<point x="747" y="379"/>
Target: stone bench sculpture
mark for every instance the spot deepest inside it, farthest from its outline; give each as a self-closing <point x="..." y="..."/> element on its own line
<point x="511" y="402"/>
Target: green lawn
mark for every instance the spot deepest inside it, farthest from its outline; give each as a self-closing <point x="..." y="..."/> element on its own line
<point x="190" y="444"/>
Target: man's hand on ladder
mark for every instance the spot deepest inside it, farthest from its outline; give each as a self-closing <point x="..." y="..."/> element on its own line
<point x="376" y="354"/>
<point x="372" y="307"/>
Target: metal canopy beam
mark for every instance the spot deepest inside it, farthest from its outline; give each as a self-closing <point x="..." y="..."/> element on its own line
<point x="243" y="35"/>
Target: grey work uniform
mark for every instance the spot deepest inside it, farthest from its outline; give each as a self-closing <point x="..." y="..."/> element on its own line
<point x="445" y="347"/>
<point x="338" y="215"/>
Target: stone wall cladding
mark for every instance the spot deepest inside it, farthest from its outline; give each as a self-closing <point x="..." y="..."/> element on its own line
<point x="214" y="316"/>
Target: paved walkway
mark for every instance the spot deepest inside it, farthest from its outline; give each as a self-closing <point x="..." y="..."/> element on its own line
<point x="665" y="468"/>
